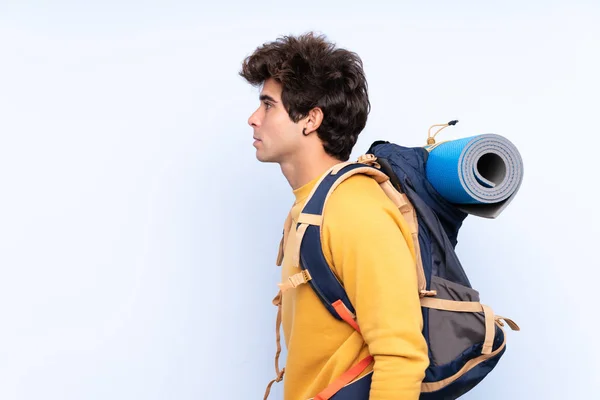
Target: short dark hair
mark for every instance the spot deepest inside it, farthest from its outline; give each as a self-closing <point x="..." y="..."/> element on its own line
<point x="314" y="73"/>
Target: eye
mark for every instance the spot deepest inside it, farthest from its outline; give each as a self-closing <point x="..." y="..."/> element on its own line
<point x="267" y="105"/>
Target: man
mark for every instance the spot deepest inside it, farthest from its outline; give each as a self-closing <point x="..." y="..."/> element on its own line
<point x="313" y="105"/>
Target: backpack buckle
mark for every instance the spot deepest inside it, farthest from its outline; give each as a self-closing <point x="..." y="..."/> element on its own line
<point x="295" y="280"/>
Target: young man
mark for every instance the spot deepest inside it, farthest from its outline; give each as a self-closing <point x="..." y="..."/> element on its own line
<point x="313" y="105"/>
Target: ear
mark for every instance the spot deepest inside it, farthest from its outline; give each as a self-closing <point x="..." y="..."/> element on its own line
<point x="312" y="121"/>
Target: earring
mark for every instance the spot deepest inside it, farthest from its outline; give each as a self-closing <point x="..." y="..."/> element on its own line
<point x="304" y="132"/>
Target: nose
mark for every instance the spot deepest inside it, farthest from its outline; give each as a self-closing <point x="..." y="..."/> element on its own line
<point x="254" y="120"/>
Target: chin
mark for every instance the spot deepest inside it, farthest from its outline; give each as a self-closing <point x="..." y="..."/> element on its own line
<point x="264" y="158"/>
<point x="261" y="157"/>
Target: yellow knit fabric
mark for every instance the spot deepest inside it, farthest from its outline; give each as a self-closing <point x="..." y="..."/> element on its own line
<point x="367" y="244"/>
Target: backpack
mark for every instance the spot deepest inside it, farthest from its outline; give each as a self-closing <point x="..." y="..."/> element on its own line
<point x="465" y="338"/>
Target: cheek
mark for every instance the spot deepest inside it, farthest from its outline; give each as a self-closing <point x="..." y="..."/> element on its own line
<point x="280" y="127"/>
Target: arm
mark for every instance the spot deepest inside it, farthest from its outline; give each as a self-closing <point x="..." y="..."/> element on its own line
<point x="369" y="252"/>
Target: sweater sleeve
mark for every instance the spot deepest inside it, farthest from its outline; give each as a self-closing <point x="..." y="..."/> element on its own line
<point x="367" y="238"/>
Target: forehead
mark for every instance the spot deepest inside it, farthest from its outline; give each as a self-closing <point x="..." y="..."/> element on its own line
<point x="272" y="88"/>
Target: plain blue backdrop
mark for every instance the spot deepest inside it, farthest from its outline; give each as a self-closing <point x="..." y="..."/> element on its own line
<point x="138" y="232"/>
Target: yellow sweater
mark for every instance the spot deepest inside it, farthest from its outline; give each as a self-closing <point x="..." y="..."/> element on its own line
<point x="367" y="243"/>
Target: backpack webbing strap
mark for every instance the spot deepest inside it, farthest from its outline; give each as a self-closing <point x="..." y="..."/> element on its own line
<point x="410" y="216"/>
<point x="278" y="372"/>
<point x="310" y="219"/>
<point x="300" y="232"/>
<point x="304" y="221"/>
<point x="346" y="315"/>
<point x="473" y="307"/>
<point x="509" y="321"/>
<point x="295" y="280"/>
<point x="353" y="372"/>
<point x="467" y="306"/>
<point x="286" y="230"/>
<point x="346" y="378"/>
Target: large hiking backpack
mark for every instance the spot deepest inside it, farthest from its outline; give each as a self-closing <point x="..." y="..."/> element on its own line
<point x="465" y="338"/>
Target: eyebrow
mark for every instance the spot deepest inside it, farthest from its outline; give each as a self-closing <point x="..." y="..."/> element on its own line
<point x="267" y="97"/>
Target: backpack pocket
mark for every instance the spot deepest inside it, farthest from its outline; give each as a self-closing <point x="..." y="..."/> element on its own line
<point x="451" y="333"/>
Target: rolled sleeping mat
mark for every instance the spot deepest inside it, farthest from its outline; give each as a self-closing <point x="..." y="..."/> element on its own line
<point x="480" y="174"/>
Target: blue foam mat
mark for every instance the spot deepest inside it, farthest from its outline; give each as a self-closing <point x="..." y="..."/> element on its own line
<point x="480" y="174"/>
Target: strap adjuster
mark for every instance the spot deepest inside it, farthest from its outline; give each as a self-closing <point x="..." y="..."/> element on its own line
<point x="295" y="280"/>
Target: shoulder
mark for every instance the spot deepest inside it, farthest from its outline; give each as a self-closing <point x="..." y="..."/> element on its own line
<point x="360" y="222"/>
<point x="359" y="200"/>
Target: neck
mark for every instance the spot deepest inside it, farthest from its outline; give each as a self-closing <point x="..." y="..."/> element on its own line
<point x="299" y="172"/>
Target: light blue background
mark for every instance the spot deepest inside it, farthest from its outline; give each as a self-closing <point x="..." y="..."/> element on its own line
<point x="138" y="233"/>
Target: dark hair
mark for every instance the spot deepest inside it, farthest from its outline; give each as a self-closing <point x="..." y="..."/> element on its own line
<point x="314" y="73"/>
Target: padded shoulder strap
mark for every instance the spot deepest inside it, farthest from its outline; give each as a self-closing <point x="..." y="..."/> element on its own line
<point x="310" y="254"/>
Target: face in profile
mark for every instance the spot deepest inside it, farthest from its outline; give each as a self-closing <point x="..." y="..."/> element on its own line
<point x="276" y="137"/>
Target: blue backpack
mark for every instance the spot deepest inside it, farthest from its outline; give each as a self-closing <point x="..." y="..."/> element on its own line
<point x="465" y="338"/>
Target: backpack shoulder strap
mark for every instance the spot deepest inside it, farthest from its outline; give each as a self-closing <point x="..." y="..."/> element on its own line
<point x="308" y="254"/>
